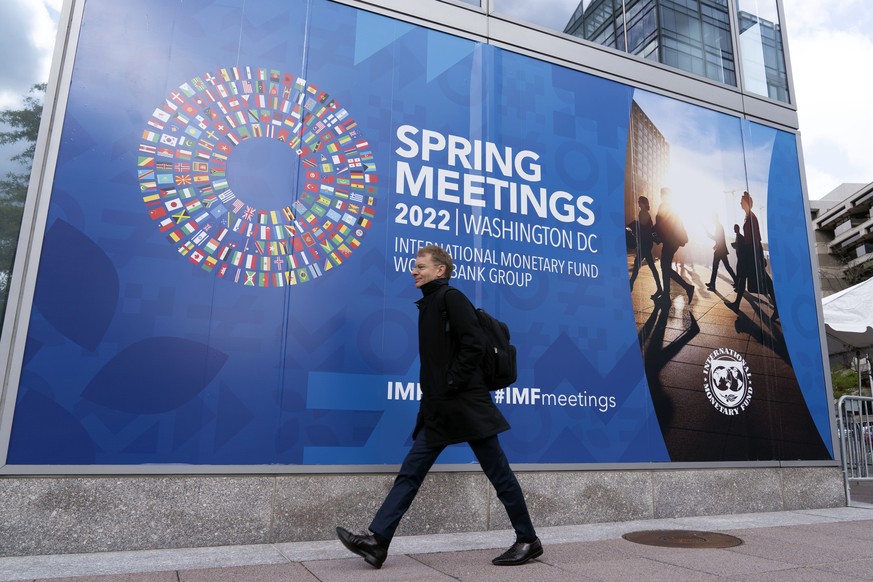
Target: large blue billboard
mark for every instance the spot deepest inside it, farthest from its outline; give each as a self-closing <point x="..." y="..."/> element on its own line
<point x="241" y="187"/>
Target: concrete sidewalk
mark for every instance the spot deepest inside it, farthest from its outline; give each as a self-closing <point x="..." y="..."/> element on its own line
<point x="826" y="544"/>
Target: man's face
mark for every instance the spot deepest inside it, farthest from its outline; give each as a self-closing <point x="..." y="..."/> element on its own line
<point x="425" y="270"/>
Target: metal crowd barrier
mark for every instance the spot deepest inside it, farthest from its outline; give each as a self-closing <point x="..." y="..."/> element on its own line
<point x="855" y="425"/>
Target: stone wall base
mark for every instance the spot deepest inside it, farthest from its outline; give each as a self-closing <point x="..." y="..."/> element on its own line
<point x="61" y="515"/>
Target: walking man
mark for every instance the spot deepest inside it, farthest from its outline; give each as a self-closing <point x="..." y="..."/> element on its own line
<point x="671" y="233"/>
<point x="719" y="253"/>
<point x="455" y="407"/>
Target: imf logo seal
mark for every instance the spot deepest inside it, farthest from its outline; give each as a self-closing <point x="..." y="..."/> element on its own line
<point x="727" y="381"/>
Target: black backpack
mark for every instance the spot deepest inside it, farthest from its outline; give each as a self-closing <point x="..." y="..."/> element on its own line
<point x="499" y="366"/>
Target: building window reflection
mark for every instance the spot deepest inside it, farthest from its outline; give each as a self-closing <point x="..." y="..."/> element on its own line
<point x="761" y="46"/>
<point x="691" y="35"/>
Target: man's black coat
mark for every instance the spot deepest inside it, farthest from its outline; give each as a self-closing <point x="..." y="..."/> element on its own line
<point x="456" y="405"/>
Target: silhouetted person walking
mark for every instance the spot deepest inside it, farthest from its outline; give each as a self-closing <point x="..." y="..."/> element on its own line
<point x="719" y="253"/>
<point x="751" y="265"/>
<point x="644" y="245"/>
<point x="671" y="232"/>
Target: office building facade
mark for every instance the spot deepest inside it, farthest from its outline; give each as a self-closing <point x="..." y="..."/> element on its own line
<point x="213" y="315"/>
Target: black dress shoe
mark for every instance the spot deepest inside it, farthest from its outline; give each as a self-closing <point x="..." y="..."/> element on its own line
<point x="519" y="553"/>
<point x="365" y="546"/>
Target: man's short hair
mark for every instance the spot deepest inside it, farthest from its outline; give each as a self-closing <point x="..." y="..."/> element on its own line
<point x="439" y="256"/>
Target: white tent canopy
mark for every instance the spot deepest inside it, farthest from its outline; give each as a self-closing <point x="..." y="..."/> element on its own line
<point x="848" y="318"/>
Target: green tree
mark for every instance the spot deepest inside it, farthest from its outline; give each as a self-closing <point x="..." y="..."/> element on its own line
<point x="20" y="127"/>
<point x="844" y="382"/>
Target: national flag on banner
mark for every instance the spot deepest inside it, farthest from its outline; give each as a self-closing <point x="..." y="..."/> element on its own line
<point x="175" y="236"/>
<point x="196" y="257"/>
<point x="166" y="224"/>
<point x="250" y="278"/>
<point x="150" y="136"/>
<point x="161" y="115"/>
<point x="185" y="248"/>
<point x="199" y="237"/>
<point x="180" y="216"/>
<point x="183" y="154"/>
<point x="187" y="193"/>
<point x="166" y="152"/>
<point x="147" y="149"/>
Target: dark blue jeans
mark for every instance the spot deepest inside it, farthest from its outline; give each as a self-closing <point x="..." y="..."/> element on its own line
<point x="418" y="462"/>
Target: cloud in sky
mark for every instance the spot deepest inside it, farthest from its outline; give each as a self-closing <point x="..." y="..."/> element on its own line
<point x="27" y="38"/>
<point x="831" y="48"/>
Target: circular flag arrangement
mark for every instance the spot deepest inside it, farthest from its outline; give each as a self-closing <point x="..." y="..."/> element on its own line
<point x="182" y="169"/>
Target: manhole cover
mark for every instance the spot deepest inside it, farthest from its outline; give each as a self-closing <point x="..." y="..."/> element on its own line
<point x="682" y="538"/>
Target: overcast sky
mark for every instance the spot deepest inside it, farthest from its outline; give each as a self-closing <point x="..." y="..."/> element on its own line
<point x="830" y="44"/>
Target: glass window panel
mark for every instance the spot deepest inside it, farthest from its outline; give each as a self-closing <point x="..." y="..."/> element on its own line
<point x="552" y="14"/>
<point x="699" y="29"/>
<point x="761" y="48"/>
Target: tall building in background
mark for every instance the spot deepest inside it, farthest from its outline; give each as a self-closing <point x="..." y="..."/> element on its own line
<point x="648" y="155"/>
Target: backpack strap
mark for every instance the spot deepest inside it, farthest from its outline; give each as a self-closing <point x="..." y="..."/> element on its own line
<point x="441" y="302"/>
